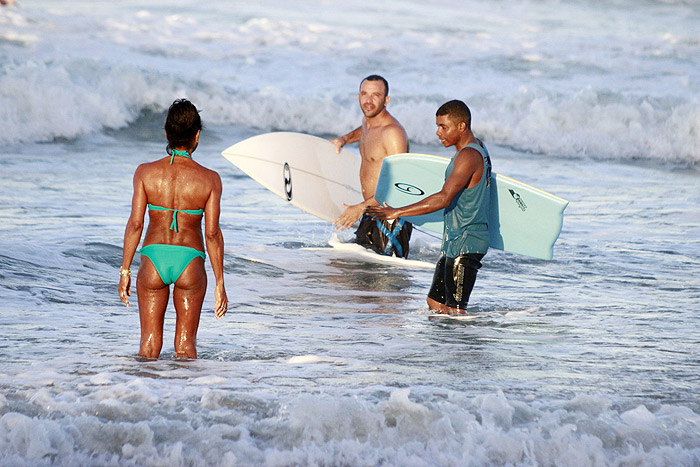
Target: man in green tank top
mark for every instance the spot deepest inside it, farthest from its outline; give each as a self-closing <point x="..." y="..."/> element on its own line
<point x="465" y="199"/>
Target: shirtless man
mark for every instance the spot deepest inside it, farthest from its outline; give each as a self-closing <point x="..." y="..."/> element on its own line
<point x="380" y="135"/>
<point x="178" y="192"/>
<point x="465" y="200"/>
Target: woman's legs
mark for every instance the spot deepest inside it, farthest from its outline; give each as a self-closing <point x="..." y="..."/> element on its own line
<point x="153" y="299"/>
<point x="188" y="296"/>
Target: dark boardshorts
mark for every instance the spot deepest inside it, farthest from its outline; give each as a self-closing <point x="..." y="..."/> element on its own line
<point x="384" y="237"/>
<point x="454" y="280"/>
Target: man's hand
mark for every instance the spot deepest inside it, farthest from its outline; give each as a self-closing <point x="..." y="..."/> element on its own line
<point x="339" y="143"/>
<point x="384" y="212"/>
<point x="351" y="215"/>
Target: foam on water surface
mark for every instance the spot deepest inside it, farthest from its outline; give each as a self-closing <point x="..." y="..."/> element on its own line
<point x="325" y="358"/>
<point x="576" y="79"/>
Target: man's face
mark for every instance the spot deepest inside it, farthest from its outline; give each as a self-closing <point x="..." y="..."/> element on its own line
<point x="447" y="130"/>
<point x="373" y="98"/>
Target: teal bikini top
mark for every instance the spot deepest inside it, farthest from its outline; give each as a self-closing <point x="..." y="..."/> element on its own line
<point x="196" y="212"/>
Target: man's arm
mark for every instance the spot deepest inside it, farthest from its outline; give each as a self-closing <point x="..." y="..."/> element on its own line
<point x="467" y="163"/>
<point x="352" y="137"/>
<point x="354" y="212"/>
<point x="215" y="245"/>
<point x="394" y="141"/>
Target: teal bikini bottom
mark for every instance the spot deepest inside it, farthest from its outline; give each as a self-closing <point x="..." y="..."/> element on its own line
<point x="170" y="260"/>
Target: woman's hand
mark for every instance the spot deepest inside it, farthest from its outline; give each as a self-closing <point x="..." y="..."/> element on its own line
<point x="221" y="303"/>
<point x="125" y="289"/>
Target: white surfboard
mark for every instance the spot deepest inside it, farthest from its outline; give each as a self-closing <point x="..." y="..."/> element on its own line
<point x="523" y="219"/>
<point x="339" y="248"/>
<point x="302" y="169"/>
<point x="358" y="251"/>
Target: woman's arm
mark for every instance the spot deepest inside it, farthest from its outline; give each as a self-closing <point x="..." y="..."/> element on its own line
<point x="215" y="245"/>
<point x="132" y="236"/>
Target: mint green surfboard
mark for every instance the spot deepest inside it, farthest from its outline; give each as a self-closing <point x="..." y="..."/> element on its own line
<point x="523" y="219"/>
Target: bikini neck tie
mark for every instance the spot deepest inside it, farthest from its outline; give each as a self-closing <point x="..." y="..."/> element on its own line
<point x="175" y="152"/>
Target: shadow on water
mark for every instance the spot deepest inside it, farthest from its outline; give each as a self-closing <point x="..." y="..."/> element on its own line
<point x="40" y="281"/>
<point x="365" y="276"/>
<point x="367" y="286"/>
<point x="98" y="252"/>
<point x="239" y="266"/>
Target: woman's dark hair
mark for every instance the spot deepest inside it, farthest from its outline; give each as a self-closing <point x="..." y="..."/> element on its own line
<point x="182" y="124"/>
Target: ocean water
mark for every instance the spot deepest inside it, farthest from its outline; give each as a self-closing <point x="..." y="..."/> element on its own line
<point x="326" y="358"/>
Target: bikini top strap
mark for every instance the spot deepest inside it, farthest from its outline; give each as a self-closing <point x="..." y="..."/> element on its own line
<point x="173" y="225"/>
<point x="175" y="152"/>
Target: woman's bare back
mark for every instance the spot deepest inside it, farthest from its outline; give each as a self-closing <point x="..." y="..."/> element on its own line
<point x="183" y="185"/>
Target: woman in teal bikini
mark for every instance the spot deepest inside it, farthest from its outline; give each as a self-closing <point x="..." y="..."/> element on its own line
<point x="177" y="192"/>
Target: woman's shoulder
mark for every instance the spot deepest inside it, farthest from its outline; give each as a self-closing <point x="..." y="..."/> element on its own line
<point x="161" y="168"/>
<point x="146" y="169"/>
<point x="212" y="174"/>
<point x="150" y="165"/>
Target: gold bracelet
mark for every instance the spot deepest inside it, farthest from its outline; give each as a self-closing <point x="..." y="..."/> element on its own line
<point x="124" y="272"/>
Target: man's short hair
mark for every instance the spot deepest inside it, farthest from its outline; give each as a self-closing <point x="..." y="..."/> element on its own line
<point x="377" y="78"/>
<point x="457" y="111"/>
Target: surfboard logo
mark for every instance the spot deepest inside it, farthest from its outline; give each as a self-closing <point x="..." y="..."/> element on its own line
<point x="409" y="189"/>
<point x="518" y="200"/>
<point x="287" y="174"/>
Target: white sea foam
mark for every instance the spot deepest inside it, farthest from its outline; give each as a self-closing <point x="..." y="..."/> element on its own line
<point x="304" y="359"/>
<point x="327" y="358"/>
<point x="615" y="93"/>
<point x="399" y="428"/>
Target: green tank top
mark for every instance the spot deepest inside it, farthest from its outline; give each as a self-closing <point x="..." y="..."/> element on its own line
<point x="467" y="216"/>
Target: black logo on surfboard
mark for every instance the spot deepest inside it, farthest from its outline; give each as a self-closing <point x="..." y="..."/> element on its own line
<point x="409" y="189"/>
<point x="287" y="173"/>
<point x="518" y="199"/>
